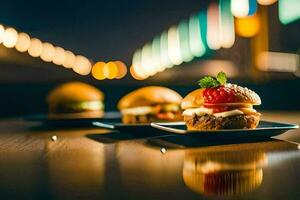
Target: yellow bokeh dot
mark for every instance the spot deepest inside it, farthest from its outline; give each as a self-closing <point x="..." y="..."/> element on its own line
<point x="69" y="59"/>
<point x="97" y="71"/>
<point x="23" y="42"/>
<point x="82" y="65"/>
<point x="248" y="26"/>
<point x="1" y="33"/>
<point x="10" y="37"/>
<point x="48" y="52"/>
<point x="59" y="56"/>
<point x="35" y="48"/>
<point x="110" y="70"/>
<point x="122" y="69"/>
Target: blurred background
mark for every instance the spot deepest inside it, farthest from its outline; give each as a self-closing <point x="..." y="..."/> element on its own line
<point x="121" y="45"/>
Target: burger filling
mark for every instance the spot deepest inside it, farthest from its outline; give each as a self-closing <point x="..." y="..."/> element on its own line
<point x="72" y="107"/>
<point x="222" y="116"/>
<point x="221" y="110"/>
<point x="162" y="111"/>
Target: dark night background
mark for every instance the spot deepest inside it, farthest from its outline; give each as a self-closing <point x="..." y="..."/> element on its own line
<point x="113" y="30"/>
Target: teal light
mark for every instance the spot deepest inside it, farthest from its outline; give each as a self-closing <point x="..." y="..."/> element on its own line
<point x="196" y="43"/>
<point x="183" y="29"/>
<point x="289" y="10"/>
<point x="202" y="17"/>
<point x="164" y="54"/>
<point x="252" y="7"/>
<point x="156" y="53"/>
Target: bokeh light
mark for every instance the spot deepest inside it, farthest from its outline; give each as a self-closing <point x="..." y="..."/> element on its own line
<point x="97" y="70"/>
<point x="69" y="61"/>
<point x="289" y="11"/>
<point x="23" y="42"/>
<point x="248" y="26"/>
<point x="134" y="75"/>
<point x="213" y="29"/>
<point x="183" y="30"/>
<point x="174" y="46"/>
<point x="156" y="54"/>
<point x="10" y="37"/>
<point x="226" y="24"/>
<point x="164" y="51"/>
<point x="59" y="56"/>
<point x="35" y="48"/>
<point x="266" y="2"/>
<point x="240" y="8"/>
<point x="82" y="65"/>
<point x="122" y="69"/>
<point x="196" y="42"/>
<point x="2" y="30"/>
<point x="146" y="63"/>
<point x="110" y="70"/>
<point x="48" y="52"/>
<point x="137" y="63"/>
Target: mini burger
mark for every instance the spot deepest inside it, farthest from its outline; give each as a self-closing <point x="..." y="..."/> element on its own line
<point x="220" y="105"/>
<point x="75" y="100"/>
<point x="150" y="104"/>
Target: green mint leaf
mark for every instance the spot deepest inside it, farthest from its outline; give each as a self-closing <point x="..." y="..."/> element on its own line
<point x="221" y="78"/>
<point x="208" y="82"/>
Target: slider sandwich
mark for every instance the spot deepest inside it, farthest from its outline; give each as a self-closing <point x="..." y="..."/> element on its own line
<point x="220" y="105"/>
<point x="75" y="100"/>
<point x="150" y="104"/>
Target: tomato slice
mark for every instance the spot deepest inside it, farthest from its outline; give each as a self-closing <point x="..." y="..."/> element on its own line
<point x="218" y="109"/>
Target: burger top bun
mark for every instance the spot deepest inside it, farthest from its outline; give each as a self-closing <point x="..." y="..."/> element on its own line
<point x="195" y="98"/>
<point x="74" y="92"/>
<point x="148" y="96"/>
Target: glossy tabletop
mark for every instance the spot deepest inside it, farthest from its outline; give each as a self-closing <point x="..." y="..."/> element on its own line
<point x="93" y="163"/>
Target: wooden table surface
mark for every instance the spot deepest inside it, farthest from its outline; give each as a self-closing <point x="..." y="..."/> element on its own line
<point x="93" y="163"/>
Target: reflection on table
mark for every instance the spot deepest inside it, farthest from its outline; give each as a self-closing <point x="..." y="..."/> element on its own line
<point x="228" y="171"/>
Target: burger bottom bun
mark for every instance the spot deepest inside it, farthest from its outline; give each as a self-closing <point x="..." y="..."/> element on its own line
<point x="85" y="114"/>
<point x="143" y="119"/>
<point x="210" y="122"/>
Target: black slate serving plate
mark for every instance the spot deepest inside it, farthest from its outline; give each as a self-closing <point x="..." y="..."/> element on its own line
<point x="265" y="129"/>
<point x="132" y="128"/>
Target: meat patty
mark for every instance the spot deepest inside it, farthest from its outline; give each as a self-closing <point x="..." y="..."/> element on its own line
<point x="142" y="119"/>
<point x="210" y="122"/>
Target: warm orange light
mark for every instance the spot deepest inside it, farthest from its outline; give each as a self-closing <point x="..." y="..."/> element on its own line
<point x="266" y="2"/>
<point x="248" y="26"/>
<point x="35" y="48"/>
<point x="134" y="75"/>
<point x="110" y="70"/>
<point x="97" y="71"/>
<point x="69" y="59"/>
<point x="59" y="56"/>
<point x="122" y="69"/>
<point x="1" y="33"/>
<point x="10" y="37"/>
<point x="82" y="65"/>
<point x="48" y="52"/>
<point x="23" y="42"/>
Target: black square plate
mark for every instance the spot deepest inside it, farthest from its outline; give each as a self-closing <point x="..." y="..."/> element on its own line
<point x="264" y="129"/>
